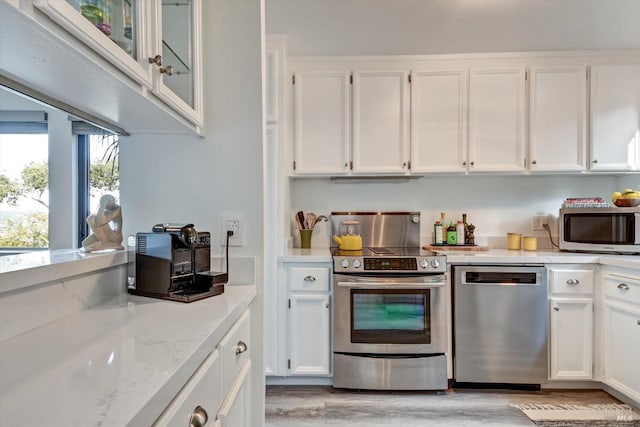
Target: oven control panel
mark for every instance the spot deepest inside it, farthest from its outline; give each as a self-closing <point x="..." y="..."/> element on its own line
<point x="359" y="264"/>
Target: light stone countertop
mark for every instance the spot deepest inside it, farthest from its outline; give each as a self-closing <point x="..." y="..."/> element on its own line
<point x="115" y="364"/>
<point x="31" y="268"/>
<point x="307" y="255"/>
<point x="492" y="256"/>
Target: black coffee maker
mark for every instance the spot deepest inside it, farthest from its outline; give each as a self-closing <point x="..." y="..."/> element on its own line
<point x="173" y="262"/>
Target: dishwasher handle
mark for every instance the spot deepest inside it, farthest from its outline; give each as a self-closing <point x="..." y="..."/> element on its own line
<point x="512" y="277"/>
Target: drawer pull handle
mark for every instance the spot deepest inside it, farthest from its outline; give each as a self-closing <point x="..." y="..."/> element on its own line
<point x="623" y="287"/>
<point x="556" y="308"/>
<point x="573" y="282"/>
<point x="241" y="347"/>
<point x="199" y="417"/>
<point x="309" y="279"/>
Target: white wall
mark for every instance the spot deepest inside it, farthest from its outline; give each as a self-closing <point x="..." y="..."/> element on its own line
<point x="192" y="179"/>
<point x="392" y="27"/>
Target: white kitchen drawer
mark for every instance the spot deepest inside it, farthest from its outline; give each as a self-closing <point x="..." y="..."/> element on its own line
<point x="624" y="288"/>
<point x="570" y="281"/>
<point x="235" y="350"/>
<point x="203" y="389"/>
<point x="309" y="279"/>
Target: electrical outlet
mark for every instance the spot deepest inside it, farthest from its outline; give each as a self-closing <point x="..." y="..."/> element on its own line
<point x="233" y="221"/>
<point x="233" y="225"/>
<point x="538" y="222"/>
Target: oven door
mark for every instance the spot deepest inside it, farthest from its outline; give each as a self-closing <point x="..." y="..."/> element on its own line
<point x="382" y="314"/>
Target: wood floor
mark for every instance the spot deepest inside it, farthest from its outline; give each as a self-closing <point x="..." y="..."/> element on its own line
<point x="305" y="406"/>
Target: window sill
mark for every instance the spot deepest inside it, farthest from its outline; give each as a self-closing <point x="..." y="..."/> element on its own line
<point x="32" y="268"/>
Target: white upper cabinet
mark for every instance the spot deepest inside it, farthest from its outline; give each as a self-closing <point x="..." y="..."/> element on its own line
<point x="155" y="43"/>
<point x="321" y="122"/>
<point x="178" y="39"/>
<point x="380" y="122"/>
<point x="439" y="121"/>
<point x="496" y="119"/>
<point x="557" y="127"/>
<point x="615" y="118"/>
<point x="118" y="32"/>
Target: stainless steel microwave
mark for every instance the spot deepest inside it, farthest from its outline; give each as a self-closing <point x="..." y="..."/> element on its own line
<point x="614" y="230"/>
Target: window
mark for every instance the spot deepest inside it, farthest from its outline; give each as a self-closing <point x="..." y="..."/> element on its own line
<point x="24" y="188"/>
<point x="98" y="171"/>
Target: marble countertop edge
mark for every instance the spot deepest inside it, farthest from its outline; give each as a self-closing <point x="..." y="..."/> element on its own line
<point x="32" y="268"/>
<point x="492" y="256"/>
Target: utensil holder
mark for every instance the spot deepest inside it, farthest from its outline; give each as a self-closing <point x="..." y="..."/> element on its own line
<point x="305" y="239"/>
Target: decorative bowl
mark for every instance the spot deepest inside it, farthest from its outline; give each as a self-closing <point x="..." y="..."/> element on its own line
<point x="626" y="203"/>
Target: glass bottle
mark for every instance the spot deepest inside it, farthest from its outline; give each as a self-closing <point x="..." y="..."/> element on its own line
<point x="452" y="237"/>
<point x="460" y="233"/>
<point x="437" y="233"/>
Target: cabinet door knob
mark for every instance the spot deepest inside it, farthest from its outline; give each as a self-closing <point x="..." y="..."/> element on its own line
<point x="623" y="287"/>
<point x="309" y="279"/>
<point x="156" y="60"/>
<point x="573" y="282"/>
<point x="472" y="163"/>
<point x="638" y="322"/>
<point x="556" y="309"/>
<point x="168" y="70"/>
<point x="241" y="347"/>
<point x="199" y="417"/>
<point x="533" y="162"/>
<point x="594" y="161"/>
<point x="327" y="306"/>
<point x="464" y="163"/>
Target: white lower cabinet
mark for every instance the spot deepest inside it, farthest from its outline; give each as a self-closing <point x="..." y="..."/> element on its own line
<point x="571" y="322"/>
<point x="236" y="409"/>
<point x="199" y="398"/>
<point x="621" y="332"/>
<point x="571" y="339"/>
<point x="219" y="392"/>
<point x="309" y="320"/>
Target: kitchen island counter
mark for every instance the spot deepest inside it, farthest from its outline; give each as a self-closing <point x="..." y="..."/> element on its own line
<point x="114" y="364"/>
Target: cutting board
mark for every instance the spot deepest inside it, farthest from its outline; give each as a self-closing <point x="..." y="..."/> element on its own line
<point x="437" y="248"/>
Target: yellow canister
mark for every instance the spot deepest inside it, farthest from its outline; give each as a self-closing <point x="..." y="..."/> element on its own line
<point x="514" y="241"/>
<point x="530" y="243"/>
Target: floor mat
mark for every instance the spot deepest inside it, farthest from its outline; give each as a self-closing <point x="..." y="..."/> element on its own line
<point x="569" y="415"/>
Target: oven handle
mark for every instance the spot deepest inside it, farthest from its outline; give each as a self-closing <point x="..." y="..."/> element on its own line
<point x="390" y="285"/>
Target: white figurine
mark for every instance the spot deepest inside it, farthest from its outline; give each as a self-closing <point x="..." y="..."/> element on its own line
<point x="106" y="226"/>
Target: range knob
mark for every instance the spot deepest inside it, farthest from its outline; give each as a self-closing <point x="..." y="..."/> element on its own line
<point x="424" y="263"/>
<point x="345" y="263"/>
<point x="435" y="263"/>
<point x="356" y="263"/>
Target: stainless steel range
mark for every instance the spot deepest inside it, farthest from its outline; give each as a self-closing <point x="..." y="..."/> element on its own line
<point x="389" y="316"/>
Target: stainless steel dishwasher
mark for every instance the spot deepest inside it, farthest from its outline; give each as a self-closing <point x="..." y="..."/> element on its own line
<point x="500" y="324"/>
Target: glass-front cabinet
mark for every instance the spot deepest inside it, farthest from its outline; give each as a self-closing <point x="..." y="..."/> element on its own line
<point x="157" y="43"/>
<point x="179" y="80"/>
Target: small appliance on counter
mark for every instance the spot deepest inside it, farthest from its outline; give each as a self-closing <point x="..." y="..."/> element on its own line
<point x="173" y="263"/>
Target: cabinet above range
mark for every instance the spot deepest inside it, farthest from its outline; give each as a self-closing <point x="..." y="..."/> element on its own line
<point x="483" y="113"/>
<point x="135" y="64"/>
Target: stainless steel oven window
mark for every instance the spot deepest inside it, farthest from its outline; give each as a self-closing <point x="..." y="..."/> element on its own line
<point x="398" y="316"/>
